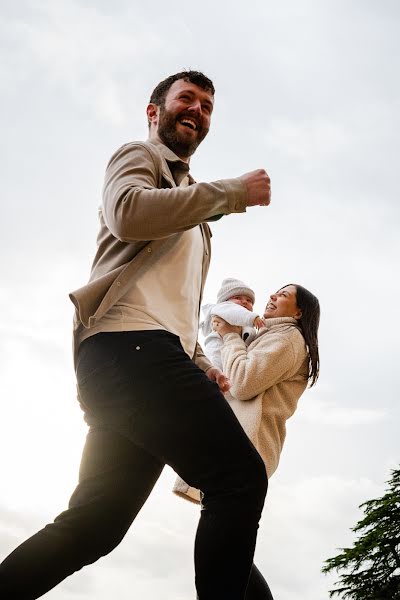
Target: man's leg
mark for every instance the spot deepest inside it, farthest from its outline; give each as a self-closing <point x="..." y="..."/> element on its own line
<point x="116" y="478"/>
<point x="141" y="386"/>
<point x="258" y="588"/>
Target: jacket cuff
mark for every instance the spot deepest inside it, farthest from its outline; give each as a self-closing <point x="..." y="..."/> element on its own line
<point x="236" y="192"/>
<point x="203" y="363"/>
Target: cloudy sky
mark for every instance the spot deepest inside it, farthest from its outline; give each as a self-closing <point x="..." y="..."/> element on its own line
<point x="308" y="90"/>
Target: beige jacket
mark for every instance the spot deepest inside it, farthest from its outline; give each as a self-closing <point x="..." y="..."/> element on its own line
<point x="142" y="207"/>
<point x="268" y="377"/>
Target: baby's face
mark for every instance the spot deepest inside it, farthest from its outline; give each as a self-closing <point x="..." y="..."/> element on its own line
<point x="244" y="301"/>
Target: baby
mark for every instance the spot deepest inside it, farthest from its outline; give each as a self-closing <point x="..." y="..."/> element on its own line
<point x="235" y="302"/>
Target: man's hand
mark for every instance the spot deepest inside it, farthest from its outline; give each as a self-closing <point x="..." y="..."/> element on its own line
<point x="222" y="327"/>
<point x="258" y="186"/>
<point x="214" y="374"/>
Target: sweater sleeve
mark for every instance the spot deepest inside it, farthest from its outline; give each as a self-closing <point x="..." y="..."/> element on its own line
<point x="135" y="208"/>
<point x="256" y="368"/>
<point x="234" y="314"/>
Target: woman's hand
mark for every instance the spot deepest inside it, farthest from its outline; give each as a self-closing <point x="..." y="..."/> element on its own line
<point x="222" y="327"/>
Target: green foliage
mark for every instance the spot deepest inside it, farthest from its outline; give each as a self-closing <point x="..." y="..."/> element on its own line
<point x="371" y="567"/>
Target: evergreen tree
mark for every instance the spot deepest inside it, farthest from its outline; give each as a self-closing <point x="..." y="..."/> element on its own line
<point x="371" y="567"/>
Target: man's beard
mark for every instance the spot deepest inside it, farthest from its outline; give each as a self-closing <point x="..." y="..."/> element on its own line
<point x="179" y="144"/>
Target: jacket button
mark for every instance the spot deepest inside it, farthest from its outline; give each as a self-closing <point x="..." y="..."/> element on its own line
<point x="118" y="283"/>
<point x="148" y="249"/>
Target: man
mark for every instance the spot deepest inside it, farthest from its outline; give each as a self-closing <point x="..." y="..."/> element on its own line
<point x="146" y="401"/>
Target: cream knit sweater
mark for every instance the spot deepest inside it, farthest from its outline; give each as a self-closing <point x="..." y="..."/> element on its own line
<point x="268" y="377"/>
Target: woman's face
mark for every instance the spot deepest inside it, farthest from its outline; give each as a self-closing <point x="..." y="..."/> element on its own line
<point x="283" y="304"/>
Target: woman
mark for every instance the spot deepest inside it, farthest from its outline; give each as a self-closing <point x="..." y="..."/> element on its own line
<point x="267" y="379"/>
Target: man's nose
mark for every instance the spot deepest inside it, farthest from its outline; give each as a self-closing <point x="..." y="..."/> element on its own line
<point x="195" y="106"/>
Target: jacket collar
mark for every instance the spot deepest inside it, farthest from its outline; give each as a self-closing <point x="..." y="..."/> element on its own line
<point x="177" y="168"/>
<point x="165" y="151"/>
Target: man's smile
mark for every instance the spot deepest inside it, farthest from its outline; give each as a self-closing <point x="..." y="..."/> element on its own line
<point x="190" y="123"/>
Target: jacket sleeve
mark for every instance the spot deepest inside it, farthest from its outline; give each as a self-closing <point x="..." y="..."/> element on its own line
<point x="234" y="314"/>
<point x="201" y="359"/>
<point x="256" y="368"/>
<point x="134" y="207"/>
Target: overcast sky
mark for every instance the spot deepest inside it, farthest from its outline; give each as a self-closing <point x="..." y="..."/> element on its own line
<point x="308" y="90"/>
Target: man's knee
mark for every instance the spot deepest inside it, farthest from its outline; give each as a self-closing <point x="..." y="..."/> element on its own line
<point x="243" y="486"/>
<point x="90" y="535"/>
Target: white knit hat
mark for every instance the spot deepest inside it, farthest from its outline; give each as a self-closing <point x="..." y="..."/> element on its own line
<point x="234" y="287"/>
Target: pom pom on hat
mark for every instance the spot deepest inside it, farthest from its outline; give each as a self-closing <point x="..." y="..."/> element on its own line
<point x="234" y="287"/>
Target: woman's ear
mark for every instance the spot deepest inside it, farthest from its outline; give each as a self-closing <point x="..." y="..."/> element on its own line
<point x="298" y="315"/>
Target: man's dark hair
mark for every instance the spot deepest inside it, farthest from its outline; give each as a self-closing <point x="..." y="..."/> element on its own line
<point x="196" y="77"/>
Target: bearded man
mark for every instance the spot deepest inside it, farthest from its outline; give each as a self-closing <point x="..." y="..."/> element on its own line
<point x="149" y="395"/>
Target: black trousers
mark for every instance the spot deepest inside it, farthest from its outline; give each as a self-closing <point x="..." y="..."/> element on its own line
<point x="257" y="588"/>
<point x="147" y="404"/>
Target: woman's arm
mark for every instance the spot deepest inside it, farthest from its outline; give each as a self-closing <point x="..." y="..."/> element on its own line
<point x="254" y="369"/>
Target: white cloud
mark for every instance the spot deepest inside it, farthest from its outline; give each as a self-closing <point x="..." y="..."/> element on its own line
<point x="329" y="413"/>
<point x="81" y="50"/>
<point x="314" y="139"/>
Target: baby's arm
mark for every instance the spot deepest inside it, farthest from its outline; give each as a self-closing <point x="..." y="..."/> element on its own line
<point x="234" y="314"/>
<point x="258" y="322"/>
<point x="212" y="346"/>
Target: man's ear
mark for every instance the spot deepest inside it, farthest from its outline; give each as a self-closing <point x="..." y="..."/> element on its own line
<point x="152" y="111"/>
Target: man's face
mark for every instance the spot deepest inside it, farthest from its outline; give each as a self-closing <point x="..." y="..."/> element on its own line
<point x="184" y="119"/>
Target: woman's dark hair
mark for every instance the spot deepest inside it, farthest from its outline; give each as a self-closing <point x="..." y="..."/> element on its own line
<point x="309" y="323"/>
<point x="196" y="77"/>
